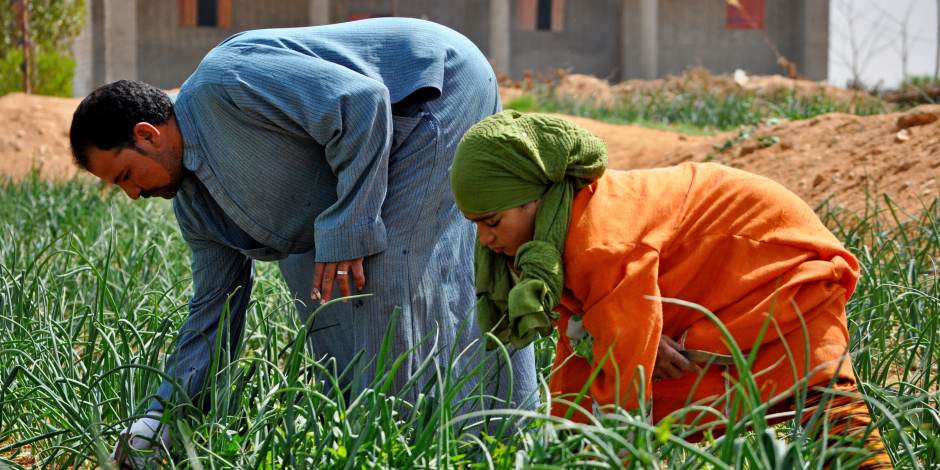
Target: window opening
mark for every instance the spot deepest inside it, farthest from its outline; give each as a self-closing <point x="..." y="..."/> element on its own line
<point x="541" y="15"/>
<point x="544" y="19"/>
<point x="207" y="13"/>
<point x="748" y="14"/>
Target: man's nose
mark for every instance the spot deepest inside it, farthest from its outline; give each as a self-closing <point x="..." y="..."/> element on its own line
<point x="132" y="190"/>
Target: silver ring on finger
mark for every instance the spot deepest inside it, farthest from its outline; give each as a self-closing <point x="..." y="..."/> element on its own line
<point x="342" y="273"/>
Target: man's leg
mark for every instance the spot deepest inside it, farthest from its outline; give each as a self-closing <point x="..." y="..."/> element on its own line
<point x="328" y="333"/>
<point x="470" y="94"/>
<point x="427" y="269"/>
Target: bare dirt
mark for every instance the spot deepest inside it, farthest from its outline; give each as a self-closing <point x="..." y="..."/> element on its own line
<point x="633" y="147"/>
<point x="34" y="134"/>
<point x="850" y="156"/>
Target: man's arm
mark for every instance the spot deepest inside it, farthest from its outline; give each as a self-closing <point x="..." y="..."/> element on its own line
<point x="222" y="282"/>
<point x="220" y="274"/>
<point x="347" y="113"/>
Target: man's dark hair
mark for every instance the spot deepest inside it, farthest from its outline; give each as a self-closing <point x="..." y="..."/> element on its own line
<point x="106" y="118"/>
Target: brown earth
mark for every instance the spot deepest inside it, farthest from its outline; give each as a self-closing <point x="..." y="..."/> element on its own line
<point x="34" y="134"/>
<point x="849" y="156"/>
<point x="834" y="153"/>
<point x="632" y="147"/>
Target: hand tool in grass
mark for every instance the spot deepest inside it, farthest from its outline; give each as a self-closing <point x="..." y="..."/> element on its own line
<point x="707" y="357"/>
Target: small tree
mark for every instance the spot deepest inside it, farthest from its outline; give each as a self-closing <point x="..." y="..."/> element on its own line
<point x="53" y="25"/>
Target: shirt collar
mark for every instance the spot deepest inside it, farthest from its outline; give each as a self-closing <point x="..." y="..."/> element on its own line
<point x="188" y="129"/>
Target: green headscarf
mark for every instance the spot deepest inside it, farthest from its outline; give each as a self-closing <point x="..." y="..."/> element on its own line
<point x="507" y="160"/>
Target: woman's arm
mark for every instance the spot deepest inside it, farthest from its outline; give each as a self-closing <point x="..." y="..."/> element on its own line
<point x="617" y="286"/>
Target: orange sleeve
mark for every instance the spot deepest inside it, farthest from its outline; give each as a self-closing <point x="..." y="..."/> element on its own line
<point x="614" y="283"/>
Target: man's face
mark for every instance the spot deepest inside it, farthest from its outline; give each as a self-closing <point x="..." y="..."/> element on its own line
<point x="152" y="167"/>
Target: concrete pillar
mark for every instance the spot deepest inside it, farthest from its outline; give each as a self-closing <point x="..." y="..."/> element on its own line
<point x="319" y="12"/>
<point x="500" y="35"/>
<point x="82" y="83"/>
<point x="120" y="30"/>
<point x="649" y="39"/>
<point x="98" y="44"/>
<point x="625" y="43"/>
<point x="815" y="40"/>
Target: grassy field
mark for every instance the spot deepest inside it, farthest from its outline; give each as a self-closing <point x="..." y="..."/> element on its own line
<point x="93" y="289"/>
<point x="692" y="109"/>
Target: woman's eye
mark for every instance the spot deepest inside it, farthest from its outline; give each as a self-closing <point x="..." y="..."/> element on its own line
<point x="493" y="225"/>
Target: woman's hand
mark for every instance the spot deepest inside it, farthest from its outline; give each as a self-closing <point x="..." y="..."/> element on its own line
<point x="669" y="363"/>
<point x="325" y="273"/>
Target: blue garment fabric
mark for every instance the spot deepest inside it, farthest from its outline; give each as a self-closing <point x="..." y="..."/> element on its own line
<point x="296" y="158"/>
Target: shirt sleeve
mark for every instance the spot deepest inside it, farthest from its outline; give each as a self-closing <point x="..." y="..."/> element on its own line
<point x="614" y="285"/>
<point x="348" y="113"/>
<point x="222" y="282"/>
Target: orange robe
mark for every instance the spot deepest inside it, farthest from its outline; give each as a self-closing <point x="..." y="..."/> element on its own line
<point x="721" y="238"/>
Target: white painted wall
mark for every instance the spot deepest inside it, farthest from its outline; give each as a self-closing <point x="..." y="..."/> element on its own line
<point x="877" y="28"/>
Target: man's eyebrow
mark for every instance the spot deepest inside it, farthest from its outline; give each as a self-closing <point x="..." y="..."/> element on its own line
<point x="481" y="218"/>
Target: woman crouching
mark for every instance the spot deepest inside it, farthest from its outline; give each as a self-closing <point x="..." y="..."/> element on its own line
<point x="565" y="244"/>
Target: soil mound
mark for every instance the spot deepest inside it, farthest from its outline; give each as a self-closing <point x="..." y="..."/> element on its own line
<point x="849" y="156"/>
<point x="34" y="134"/>
<point x="632" y="147"/>
<point x="589" y="89"/>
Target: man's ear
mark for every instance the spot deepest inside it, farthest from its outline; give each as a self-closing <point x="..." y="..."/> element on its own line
<point x="146" y="132"/>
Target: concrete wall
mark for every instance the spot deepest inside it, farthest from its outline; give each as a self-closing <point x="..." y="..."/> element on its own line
<point x="106" y="50"/>
<point x="469" y="17"/>
<point x="167" y="54"/>
<point x="693" y="32"/>
<point x="605" y="38"/>
<point x="84" y="59"/>
<point x="120" y="23"/>
<point x="588" y="44"/>
<point x="812" y="40"/>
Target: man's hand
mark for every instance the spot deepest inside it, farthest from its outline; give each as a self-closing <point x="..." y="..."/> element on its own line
<point x="669" y="363"/>
<point x="325" y="274"/>
<point x="142" y="436"/>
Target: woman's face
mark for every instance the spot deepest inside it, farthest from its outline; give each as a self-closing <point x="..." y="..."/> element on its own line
<point x="506" y="231"/>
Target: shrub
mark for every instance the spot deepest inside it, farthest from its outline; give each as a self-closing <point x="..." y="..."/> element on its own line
<point x="53" y="25"/>
<point x="55" y="72"/>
